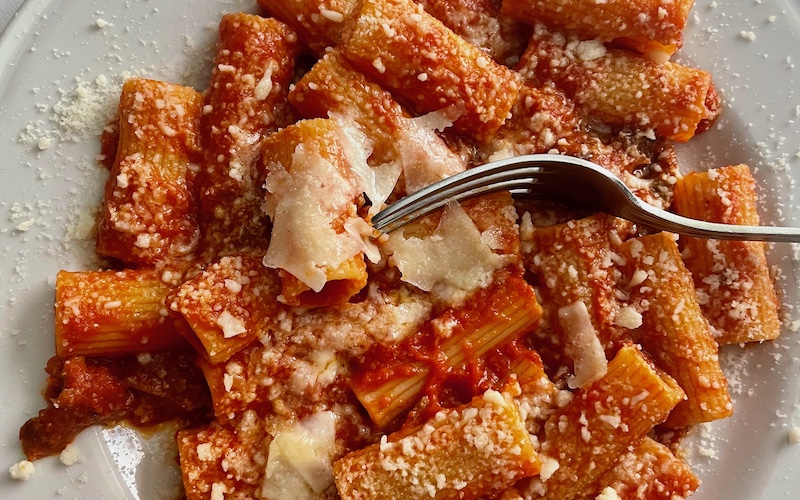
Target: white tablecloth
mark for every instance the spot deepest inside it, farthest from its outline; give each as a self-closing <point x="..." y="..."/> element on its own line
<point x="7" y="10"/>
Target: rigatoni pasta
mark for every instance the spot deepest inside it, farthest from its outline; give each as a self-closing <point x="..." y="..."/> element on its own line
<point x="674" y="330"/>
<point x="575" y="262"/>
<point x="650" y="470"/>
<point x="245" y="102"/>
<point x="228" y="305"/>
<point x="106" y="313"/>
<point x="149" y="214"/>
<point x="462" y="453"/>
<point x="646" y="25"/>
<point x="319" y="24"/>
<point x="413" y="54"/>
<point x="480" y="23"/>
<point x="332" y="87"/>
<point x="313" y="196"/>
<point x="732" y="278"/>
<point x="622" y="88"/>
<point x="387" y="390"/>
<point x="610" y="416"/>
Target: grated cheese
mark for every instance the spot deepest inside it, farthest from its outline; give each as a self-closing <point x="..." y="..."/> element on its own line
<point x="608" y="493"/>
<point x="22" y="470"/>
<point x="264" y="86"/>
<point x="231" y="325"/>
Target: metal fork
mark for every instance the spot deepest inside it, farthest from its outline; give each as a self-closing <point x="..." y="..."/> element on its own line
<point x="569" y="181"/>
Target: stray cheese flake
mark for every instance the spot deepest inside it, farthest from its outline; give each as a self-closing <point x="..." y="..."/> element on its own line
<point x="332" y="15"/>
<point x="264" y="87"/>
<point x="231" y="325"/>
<point x="205" y="452"/>
<point x="452" y="262"/>
<point x="218" y="491"/>
<point x="583" y="345"/>
<point x="70" y="455"/>
<point x="628" y="317"/>
<point x="589" y="50"/>
<point x="608" y="493"/>
<point x="549" y="467"/>
<point x="22" y="471"/>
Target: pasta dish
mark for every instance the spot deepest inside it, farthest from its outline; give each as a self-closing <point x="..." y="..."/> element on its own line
<point x="500" y="348"/>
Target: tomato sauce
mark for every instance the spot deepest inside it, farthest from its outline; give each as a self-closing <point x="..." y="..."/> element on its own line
<point x="143" y="390"/>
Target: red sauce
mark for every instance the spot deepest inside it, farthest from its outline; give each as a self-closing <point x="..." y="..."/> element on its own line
<point x="448" y="384"/>
<point x="87" y="391"/>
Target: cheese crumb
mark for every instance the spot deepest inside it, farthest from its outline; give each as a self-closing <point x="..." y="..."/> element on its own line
<point x="218" y="491"/>
<point x="265" y="85"/>
<point x="589" y="50"/>
<point x="608" y="493"/>
<point x="205" y="452"/>
<point x="794" y="435"/>
<point x="378" y="64"/>
<point x="231" y="325"/>
<point x="628" y="317"/>
<point x="747" y="35"/>
<point x="22" y="471"/>
<point x="233" y="286"/>
<point x="549" y="467"/>
<point x="332" y="15"/>
<point x="25" y="225"/>
<point x="70" y="455"/>
<point x="227" y="381"/>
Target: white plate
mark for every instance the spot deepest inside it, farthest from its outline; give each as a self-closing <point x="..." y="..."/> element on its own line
<point x="44" y="193"/>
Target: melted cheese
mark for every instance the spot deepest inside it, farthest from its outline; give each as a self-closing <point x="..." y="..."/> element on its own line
<point x="451" y="263"/>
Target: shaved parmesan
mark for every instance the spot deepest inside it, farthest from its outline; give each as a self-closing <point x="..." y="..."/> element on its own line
<point x="423" y="155"/>
<point x="361" y="231"/>
<point x="451" y="263"/>
<point x="304" y="206"/>
<point x="299" y="466"/>
<point x="376" y="182"/>
<point x="582" y="345"/>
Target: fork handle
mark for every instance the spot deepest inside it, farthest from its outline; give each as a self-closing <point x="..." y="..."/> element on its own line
<point x="668" y="221"/>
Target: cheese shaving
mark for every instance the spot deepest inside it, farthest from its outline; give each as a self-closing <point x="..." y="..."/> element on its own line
<point x="451" y="263"/>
